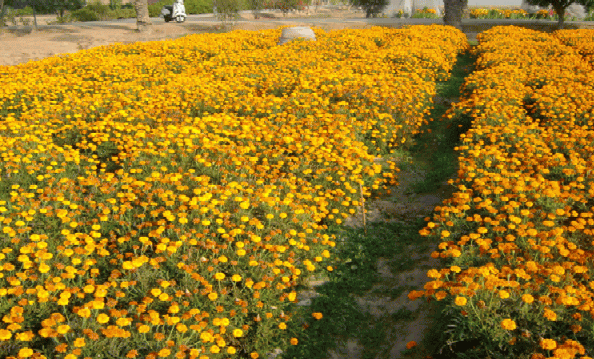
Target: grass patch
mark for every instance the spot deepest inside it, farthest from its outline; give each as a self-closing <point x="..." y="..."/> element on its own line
<point x="435" y="144"/>
<point x="360" y="251"/>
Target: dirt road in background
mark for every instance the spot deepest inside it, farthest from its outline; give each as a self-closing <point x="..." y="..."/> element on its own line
<point x="21" y="44"/>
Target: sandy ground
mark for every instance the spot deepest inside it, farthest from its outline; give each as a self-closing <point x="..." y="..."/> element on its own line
<point x="22" y="44"/>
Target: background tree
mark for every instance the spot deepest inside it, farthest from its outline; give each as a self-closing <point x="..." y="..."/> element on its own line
<point x="371" y="7"/>
<point x="143" y="21"/>
<point x="256" y="6"/>
<point x="453" y="12"/>
<point x="58" y="7"/>
<point x="560" y="6"/>
<point x="227" y="10"/>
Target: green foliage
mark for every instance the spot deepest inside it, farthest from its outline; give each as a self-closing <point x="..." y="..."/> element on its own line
<point x="58" y="7"/>
<point x="155" y="9"/>
<point x="227" y="10"/>
<point x="85" y="14"/>
<point x="372" y="7"/>
<point x="286" y="5"/>
<point x="101" y="11"/>
<point x="198" y="6"/>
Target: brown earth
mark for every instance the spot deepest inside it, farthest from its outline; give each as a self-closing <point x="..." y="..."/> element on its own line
<point x="21" y="44"/>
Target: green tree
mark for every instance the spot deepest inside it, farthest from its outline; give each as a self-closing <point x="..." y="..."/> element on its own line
<point x="371" y="7"/>
<point x="56" y="6"/>
<point x="453" y="10"/>
<point x="227" y="10"/>
<point x="560" y="6"/>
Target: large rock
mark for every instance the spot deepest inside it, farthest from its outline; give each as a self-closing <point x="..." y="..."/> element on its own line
<point x="292" y="33"/>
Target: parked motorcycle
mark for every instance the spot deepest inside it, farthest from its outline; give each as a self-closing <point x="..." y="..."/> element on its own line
<point x="176" y="12"/>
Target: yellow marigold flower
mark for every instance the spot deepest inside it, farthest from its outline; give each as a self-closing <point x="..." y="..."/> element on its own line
<point x="508" y="324"/>
<point x="461" y="301"/>
<point x="528" y="298"/>
<point x="548" y="344"/>
<point x="63" y="329"/>
<point x="25" y="352"/>
<point x="254" y="355"/>
<point x="294" y="341"/>
<point x="144" y="329"/>
<point x="79" y="342"/>
<point x="102" y="318"/>
<point x="231" y="350"/>
<point x="503" y="294"/>
<point x="550" y="315"/>
<point x="163" y="353"/>
<point x="282" y="326"/>
<point x="219" y="276"/>
<point x="215" y="349"/>
<point x="213" y="296"/>
<point x="156" y="292"/>
<point x="237" y="333"/>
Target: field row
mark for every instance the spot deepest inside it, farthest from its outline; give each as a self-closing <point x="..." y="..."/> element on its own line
<point x="184" y="215"/>
<point x="519" y="230"/>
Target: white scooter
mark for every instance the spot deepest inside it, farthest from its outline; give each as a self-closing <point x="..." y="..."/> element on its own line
<point x="176" y="11"/>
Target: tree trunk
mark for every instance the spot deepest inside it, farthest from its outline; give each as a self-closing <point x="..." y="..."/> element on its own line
<point x="143" y="22"/>
<point x="453" y="12"/>
<point x="35" y="18"/>
<point x="560" y="10"/>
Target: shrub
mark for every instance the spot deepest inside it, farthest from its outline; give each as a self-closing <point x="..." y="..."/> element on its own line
<point x="198" y="6"/>
<point x="155" y="9"/>
<point x="124" y="13"/>
<point x="102" y="11"/>
<point x="85" y="14"/>
<point x="227" y="9"/>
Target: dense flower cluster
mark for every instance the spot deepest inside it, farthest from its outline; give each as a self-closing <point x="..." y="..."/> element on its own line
<point x="495" y="13"/>
<point x="581" y="40"/>
<point x="519" y="231"/>
<point x="165" y="199"/>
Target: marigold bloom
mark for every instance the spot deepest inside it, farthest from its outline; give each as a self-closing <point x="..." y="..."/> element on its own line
<point x="527" y="298"/>
<point x="25" y="352"/>
<point x="548" y="344"/>
<point x="102" y="318"/>
<point x="508" y="324"/>
<point x="461" y="301"/>
<point x="317" y="315"/>
<point x="411" y="344"/>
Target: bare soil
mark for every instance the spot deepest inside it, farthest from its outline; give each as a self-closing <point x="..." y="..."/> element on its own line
<point x="21" y="44"/>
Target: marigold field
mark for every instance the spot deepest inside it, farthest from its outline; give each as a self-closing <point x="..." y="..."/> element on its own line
<point x="165" y="199"/>
<point x="519" y="231"/>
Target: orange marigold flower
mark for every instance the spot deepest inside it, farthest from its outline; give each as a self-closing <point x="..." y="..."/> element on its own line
<point x="528" y="298"/>
<point x="317" y="315"/>
<point x="411" y="344"/>
<point x="548" y="344"/>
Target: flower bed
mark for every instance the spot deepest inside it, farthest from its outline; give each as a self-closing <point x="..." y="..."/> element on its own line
<point x="166" y="199"/>
<point x="519" y="230"/>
